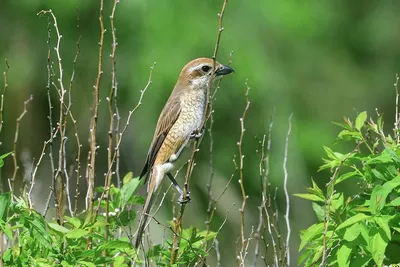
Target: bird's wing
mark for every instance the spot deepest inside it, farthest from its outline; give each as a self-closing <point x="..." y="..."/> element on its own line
<point x="168" y="117"/>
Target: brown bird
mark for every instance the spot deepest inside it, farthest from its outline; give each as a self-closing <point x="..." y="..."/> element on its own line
<point x="179" y="122"/>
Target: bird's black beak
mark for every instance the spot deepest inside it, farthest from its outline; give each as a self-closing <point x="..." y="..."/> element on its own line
<point x="223" y="70"/>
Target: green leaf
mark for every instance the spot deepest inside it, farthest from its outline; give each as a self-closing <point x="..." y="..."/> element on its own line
<point x="395" y="202"/>
<point x="337" y="202"/>
<point x="128" y="190"/>
<point x="58" y="228"/>
<point x="384" y="157"/>
<point x="352" y="232"/>
<point x="307" y="235"/>
<point x="380" y="122"/>
<point x="115" y="244"/>
<point x="2" y="158"/>
<point x="378" y="243"/>
<point x="76" y="233"/>
<point x="86" y="263"/>
<point x="37" y="227"/>
<point x="360" y="120"/>
<point x="5" y="201"/>
<point x="378" y="198"/>
<point x="119" y="261"/>
<point x="76" y="222"/>
<point x="343" y="255"/>
<point x="127" y="178"/>
<point x="350" y="135"/>
<point x="6" y="229"/>
<point x="392" y="184"/>
<point x="316" y="190"/>
<point x="352" y="220"/>
<point x="310" y="197"/>
<point x="126" y="217"/>
<point x="383" y="223"/>
<point x="319" y="211"/>
<point x="346" y="176"/>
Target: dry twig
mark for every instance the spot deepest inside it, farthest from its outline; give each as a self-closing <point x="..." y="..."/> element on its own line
<point x="95" y="114"/>
<point x="16" y="135"/>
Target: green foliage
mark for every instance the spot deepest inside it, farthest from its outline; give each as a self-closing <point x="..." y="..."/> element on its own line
<point x="81" y="241"/>
<point x="2" y="157"/>
<point x="361" y="229"/>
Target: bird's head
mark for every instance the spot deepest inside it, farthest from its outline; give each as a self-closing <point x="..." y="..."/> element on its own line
<point x="198" y="73"/>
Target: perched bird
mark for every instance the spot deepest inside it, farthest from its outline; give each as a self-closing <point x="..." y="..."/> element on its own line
<point x="179" y="122"/>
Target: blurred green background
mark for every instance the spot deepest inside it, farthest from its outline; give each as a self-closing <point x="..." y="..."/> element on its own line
<point x="321" y="60"/>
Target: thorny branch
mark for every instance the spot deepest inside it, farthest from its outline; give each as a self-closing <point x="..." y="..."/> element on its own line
<point x="210" y="118"/>
<point x="95" y="113"/>
<point x="3" y="93"/>
<point x="14" y="153"/>
<point x="285" y="180"/>
<point x="397" y="122"/>
<point x="114" y="113"/>
<point x="243" y="250"/>
<point x="60" y="174"/>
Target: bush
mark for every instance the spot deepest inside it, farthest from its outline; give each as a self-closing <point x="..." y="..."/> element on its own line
<point x="362" y="229"/>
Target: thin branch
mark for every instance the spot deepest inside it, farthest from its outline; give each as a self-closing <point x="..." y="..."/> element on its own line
<point x="397" y="122"/>
<point x="50" y="117"/>
<point x="61" y="125"/>
<point x="1" y="116"/>
<point x="241" y="179"/>
<point x="285" y="180"/>
<point x="78" y="143"/>
<point x="29" y="195"/>
<point x="3" y="93"/>
<point x="112" y="106"/>
<point x="95" y="110"/>
<point x="16" y="135"/>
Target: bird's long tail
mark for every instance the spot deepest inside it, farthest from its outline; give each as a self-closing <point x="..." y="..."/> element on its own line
<point x="146" y="210"/>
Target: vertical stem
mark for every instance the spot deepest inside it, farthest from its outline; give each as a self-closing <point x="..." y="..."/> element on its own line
<point x="93" y="123"/>
<point x="285" y="180"/>
<point x="241" y="179"/>
<point x="111" y="108"/>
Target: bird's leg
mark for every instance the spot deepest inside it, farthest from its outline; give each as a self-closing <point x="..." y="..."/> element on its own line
<point x="179" y="189"/>
<point x="198" y="134"/>
<point x="175" y="156"/>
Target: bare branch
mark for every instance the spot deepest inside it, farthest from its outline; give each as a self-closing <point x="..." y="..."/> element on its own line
<point x="3" y="93"/>
<point x="285" y="180"/>
<point x="113" y="110"/>
<point x="242" y="252"/>
<point x="397" y="122"/>
<point x="95" y="110"/>
<point x="14" y="153"/>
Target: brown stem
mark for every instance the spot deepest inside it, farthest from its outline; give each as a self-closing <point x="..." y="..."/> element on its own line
<point x="112" y="110"/>
<point x="95" y="110"/>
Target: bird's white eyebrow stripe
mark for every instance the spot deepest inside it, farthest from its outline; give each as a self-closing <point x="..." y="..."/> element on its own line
<point x="195" y="68"/>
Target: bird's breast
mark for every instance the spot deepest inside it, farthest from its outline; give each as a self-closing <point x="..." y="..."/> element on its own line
<point x="193" y="108"/>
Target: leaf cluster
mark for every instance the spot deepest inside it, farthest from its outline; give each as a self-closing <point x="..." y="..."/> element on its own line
<point x="362" y="229"/>
<point x="80" y="240"/>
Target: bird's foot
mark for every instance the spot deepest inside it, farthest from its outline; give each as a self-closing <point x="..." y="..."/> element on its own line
<point x="198" y="134"/>
<point x="184" y="200"/>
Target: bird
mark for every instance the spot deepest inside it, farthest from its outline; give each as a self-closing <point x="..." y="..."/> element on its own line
<point x="178" y="125"/>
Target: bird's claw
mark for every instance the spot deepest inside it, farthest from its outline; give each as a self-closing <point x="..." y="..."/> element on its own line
<point x="198" y="134"/>
<point x="184" y="200"/>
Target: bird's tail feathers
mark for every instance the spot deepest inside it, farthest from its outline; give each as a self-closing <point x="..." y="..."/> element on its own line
<point x="145" y="213"/>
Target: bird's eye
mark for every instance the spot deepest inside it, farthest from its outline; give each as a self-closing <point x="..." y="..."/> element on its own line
<point x="205" y="68"/>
